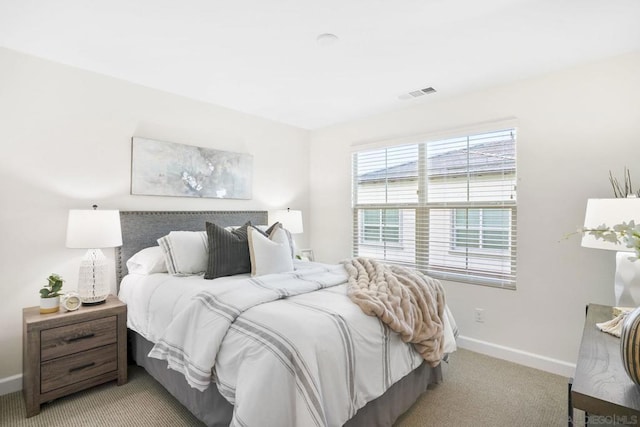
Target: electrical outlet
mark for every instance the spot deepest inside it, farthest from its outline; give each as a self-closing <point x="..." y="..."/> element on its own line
<point x="479" y="315"/>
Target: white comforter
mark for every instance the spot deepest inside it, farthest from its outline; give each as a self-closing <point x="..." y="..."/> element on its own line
<point x="285" y="349"/>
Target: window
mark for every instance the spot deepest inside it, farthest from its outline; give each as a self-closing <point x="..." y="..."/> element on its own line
<point x="482" y="229"/>
<point x="446" y="207"/>
<point x="381" y="226"/>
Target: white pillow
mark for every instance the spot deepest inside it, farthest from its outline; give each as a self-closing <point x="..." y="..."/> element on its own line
<point x="147" y="261"/>
<point x="186" y="252"/>
<point x="269" y="254"/>
<point x="163" y="242"/>
<point x="292" y="243"/>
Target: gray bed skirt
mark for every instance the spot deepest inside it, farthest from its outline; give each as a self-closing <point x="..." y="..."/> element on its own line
<point x="214" y="410"/>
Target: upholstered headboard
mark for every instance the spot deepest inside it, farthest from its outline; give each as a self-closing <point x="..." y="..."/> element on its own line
<point x="142" y="229"/>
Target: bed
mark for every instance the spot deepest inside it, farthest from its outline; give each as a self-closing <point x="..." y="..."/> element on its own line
<point x="323" y="382"/>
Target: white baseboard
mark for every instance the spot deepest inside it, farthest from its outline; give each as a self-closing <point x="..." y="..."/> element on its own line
<point x="555" y="366"/>
<point x="10" y="384"/>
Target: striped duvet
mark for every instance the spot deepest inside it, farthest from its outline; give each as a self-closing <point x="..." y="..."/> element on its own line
<point x="285" y="349"/>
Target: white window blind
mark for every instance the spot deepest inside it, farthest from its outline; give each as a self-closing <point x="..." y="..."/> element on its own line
<point x="446" y="207"/>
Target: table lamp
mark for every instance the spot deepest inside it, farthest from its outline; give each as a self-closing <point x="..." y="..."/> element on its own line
<point x="611" y="212"/>
<point x="290" y="219"/>
<point x="93" y="230"/>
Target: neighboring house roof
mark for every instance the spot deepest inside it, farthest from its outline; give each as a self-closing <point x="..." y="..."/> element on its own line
<point x="488" y="157"/>
<point x="407" y="170"/>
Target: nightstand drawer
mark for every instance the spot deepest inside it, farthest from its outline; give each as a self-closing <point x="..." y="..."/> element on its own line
<point x="82" y="336"/>
<point x="77" y="367"/>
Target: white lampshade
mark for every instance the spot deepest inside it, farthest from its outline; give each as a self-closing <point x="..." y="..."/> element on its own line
<point x="92" y="229"/>
<point x="609" y="212"/>
<point x="290" y="219"/>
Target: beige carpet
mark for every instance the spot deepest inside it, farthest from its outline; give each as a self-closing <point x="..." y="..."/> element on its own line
<point x="477" y="391"/>
<point x="482" y="391"/>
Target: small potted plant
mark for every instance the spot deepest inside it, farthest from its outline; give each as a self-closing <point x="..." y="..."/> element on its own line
<point x="50" y="294"/>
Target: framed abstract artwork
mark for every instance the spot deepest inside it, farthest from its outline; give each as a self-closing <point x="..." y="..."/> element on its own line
<point x="161" y="168"/>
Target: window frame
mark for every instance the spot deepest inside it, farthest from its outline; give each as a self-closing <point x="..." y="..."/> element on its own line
<point x="382" y="239"/>
<point x="482" y="230"/>
<point x="423" y="209"/>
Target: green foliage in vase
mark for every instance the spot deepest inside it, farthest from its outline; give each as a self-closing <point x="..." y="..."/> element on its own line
<point x="627" y="233"/>
<point x="53" y="287"/>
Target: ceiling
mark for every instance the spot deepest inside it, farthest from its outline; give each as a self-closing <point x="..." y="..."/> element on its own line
<point x="262" y="58"/>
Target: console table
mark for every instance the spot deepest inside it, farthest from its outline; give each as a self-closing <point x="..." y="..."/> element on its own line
<point x="601" y="387"/>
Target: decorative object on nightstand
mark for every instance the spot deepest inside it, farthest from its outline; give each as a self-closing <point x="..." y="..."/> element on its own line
<point x="67" y="352"/>
<point x="630" y="345"/>
<point x="50" y="294"/>
<point x="608" y="222"/>
<point x="93" y="230"/>
<point x="306" y="255"/>
<point x="614" y="326"/>
<point x="618" y="190"/>
<point x="71" y="301"/>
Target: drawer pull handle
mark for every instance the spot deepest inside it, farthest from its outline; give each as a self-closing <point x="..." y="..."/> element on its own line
<point x="79" y="368"/>
<point x="81" y="337"/>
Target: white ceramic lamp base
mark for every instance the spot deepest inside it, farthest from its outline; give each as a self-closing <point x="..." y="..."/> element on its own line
<point x="93" y="284"/>
<point x="627" y="281"/>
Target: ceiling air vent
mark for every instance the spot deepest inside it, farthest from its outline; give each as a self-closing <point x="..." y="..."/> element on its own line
<point x="417" y="93"/>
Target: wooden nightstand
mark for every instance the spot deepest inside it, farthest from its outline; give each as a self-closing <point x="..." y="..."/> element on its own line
<point x="66" y="352"/>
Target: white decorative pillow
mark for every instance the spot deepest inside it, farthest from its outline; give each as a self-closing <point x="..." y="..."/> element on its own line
<point x="269" y="229"/>
<point x="186" y="252"/>
<point x="163" y="242"/>
<point x="147" y="261"/>
<point x="269" y="254"/>
<point x="292" y="243"/>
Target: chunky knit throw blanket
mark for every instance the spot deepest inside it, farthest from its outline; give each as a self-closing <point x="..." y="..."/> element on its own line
<point x="409" y="302"/>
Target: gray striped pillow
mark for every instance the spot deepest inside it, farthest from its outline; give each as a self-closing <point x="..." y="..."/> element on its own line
<point x="228" y="251"/>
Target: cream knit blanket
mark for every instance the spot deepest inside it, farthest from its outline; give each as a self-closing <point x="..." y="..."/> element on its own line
<point x="409" y="302"/>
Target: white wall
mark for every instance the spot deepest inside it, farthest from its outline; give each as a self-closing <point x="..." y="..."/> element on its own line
<point x="66" y="143"/>
<point x="573" y="127"/>
<point x="65" y="135"/>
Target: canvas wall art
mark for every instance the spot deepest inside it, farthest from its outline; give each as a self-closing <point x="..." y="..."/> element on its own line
<point x="161" y="168"/>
